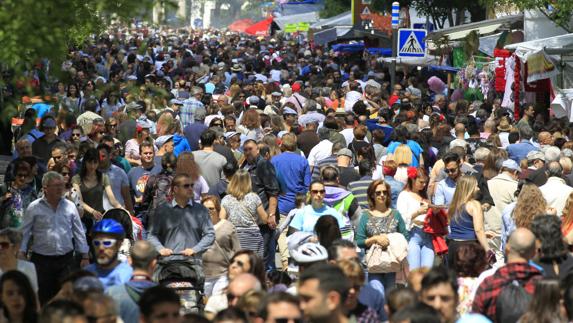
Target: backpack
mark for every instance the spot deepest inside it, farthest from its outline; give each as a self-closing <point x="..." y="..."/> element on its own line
<point x="160" y="185"/>
<point x="512" y="302"/>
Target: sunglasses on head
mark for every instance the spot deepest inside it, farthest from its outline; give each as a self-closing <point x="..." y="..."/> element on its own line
<point x="106" y="243"/>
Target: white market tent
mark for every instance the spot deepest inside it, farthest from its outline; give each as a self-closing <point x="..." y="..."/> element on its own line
<point x="343" y="19"/>
<point x="560" y="48"/>
<point x="309" y="17"/>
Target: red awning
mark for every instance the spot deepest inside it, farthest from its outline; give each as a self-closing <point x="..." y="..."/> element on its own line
<point x="261" y="28"/>
<point x="240" y="25"/>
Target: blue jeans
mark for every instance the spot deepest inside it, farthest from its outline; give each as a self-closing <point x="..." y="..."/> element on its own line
<point x="420" y="249"/>
<point x="388" y="280"/>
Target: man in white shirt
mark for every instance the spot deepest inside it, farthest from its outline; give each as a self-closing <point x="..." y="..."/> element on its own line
<point x="322" y="150"/>
<point x="555" y="191"/>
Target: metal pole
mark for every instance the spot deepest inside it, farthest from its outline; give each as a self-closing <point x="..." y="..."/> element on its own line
<point x="395" y="23"/>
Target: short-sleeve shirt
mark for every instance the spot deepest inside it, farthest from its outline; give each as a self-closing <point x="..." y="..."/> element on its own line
<point x="242" y="213"/>
<point x="305" y="219"/>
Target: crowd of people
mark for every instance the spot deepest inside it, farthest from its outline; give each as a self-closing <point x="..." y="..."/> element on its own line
<point x="204" y="176"/>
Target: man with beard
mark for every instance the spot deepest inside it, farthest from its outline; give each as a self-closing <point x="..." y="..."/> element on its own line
<point x="107" y="236"/>
<point x="323" y="289"/>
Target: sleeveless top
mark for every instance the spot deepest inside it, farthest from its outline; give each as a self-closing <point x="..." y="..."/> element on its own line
<point x="462" y="226"/>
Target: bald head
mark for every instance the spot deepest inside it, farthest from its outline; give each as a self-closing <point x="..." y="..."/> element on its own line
<point x="545" y="138"/>
<point x="460" y="129"/>
<point x="242" y="284"/>
<point x="521" y="244"/>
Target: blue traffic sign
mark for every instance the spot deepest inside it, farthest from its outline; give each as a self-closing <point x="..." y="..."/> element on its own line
<point x="411" y="42"/>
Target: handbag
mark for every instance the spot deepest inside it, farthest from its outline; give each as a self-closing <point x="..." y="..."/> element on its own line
<point x="380" y="261"/>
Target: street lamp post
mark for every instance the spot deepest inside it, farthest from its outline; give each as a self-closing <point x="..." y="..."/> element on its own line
<point x="395" y="23"/>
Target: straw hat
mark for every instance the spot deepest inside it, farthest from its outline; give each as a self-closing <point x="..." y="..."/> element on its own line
<point x="504" y="125"/>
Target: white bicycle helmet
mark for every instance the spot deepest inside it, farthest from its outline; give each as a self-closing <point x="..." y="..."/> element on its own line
<point x="309" y="252"/>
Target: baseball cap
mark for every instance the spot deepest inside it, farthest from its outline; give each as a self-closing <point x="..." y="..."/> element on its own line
<point x="230" y="134"/>
<point x="176" y="101"/>
<point x="160" y="141"/>
<point x="344" y="152"/>
<point x="511" y="165"/>
<point x="534" y="155"/>
<point x="132" y="106"/>
<point x="288" y="110"/>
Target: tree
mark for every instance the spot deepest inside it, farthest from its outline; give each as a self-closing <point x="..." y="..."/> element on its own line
<point x="36" y="30"/>
<point x="560" y="11"/>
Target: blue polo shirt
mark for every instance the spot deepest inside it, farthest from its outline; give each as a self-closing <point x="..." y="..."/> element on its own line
<point x="293" y="174"/>
<point x="519" y="151"/>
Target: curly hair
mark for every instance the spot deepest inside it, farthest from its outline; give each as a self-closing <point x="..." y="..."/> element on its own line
<point x="470" y="260"/>
<point x="547" y="229"/>
<point x="530" y="203"/>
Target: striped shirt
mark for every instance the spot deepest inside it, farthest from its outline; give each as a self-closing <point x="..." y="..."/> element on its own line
<point x="359" y="190"/>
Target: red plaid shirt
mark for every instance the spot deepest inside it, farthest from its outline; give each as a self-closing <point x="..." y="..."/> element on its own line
<point x="490" y="288"/>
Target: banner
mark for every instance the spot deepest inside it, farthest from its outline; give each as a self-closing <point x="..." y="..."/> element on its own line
<point x="540" y="66"/>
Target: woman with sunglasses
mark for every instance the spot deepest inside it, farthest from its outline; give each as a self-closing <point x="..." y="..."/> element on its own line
<point x="244" y="209"/>
<point x="375" y="225"/>
<point x="216" y="260"/>
<point x="18" y="298"/>
<point x="93" y="184"/>
<point x="305" y="220"/>
<point x="111" y="125"/>
<point x="16" y="196"/>
<point x="466" y="218"/>
<point x="10" y="240"/>
<point x="413" y="204"/>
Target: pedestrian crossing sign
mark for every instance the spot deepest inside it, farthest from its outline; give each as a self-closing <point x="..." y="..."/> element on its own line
<point x="411" y="42"/>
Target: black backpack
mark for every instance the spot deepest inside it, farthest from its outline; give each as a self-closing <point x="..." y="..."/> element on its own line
<point x="512" y="302"/>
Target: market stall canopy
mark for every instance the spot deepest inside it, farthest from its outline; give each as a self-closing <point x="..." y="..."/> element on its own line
<point x="298" y="7"/>
<point x="343" y="19"/>
<point x="483" y="28"/>
<point x="309" y="17"/>
<point x="241" y="25"/>
<point x="326" y="36"/>
<point x="413" y="61"/>
<point x="553" y="45"/>
<point x="261" y="28"/>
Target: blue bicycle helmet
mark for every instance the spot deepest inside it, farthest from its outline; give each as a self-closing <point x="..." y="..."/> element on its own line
<point x="108" y="226"/>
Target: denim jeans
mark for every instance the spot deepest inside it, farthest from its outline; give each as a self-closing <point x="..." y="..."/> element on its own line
<point x="420" y="249"/>
<point x="388" y="280"/>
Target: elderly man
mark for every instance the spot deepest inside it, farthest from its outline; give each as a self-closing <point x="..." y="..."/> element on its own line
<point x="555" y="191"/>
<point x="24" y="149"/>
<point x="55" y="224"/>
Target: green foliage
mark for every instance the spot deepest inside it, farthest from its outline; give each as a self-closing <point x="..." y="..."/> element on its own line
<point x="32" y="30"/>
<point x="335" y="7"/>
<point x="561" y="14"/>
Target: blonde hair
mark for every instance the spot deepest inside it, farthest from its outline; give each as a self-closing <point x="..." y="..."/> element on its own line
<point x="465" y="189"/>
<point x="567" y="217"/>
<point x="403" y="155"/>
<point x="240" y="184"/>
<point x="352" y="270"/>
<point x="530" y="203"/>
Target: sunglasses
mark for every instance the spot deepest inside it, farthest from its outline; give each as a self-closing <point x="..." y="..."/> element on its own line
<point x="187" y="186"/>
<point x="5" y="245"/>
<point x="285" y="320"/>
<point x="318" y="191"/>
<point x="76" y="135"/>
<point x="106" y="243"/>
<point x="239" y="263"/>
<point x="451" y="170"/>
<point x="65" y="173"/>
<point x="380" y="193"/>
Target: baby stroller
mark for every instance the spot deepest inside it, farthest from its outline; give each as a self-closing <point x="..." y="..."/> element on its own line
<point x="187" y="279"/>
